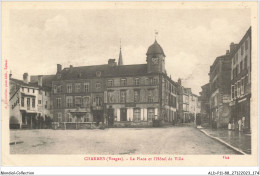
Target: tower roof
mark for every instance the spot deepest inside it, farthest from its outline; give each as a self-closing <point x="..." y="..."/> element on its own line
<point x="120" y="59"/>
<point x="155" y="48"/>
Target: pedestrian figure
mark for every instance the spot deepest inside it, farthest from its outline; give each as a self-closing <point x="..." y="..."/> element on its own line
<point x="243" y="123"/>
<point x="233" y="125"/>
<point x="239" y="125"/>
<point x="229" y="126"/>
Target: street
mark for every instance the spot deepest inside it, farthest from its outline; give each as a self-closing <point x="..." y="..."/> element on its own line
<point x="185" y="140"/>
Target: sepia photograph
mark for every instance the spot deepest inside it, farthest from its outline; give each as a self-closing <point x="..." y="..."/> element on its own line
<point x="124" y="81"/>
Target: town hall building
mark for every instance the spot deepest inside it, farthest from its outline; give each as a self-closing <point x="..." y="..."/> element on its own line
<point x="116" y="94"/>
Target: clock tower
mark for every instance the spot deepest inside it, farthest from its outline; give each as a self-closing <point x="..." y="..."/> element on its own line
<point x="155" y="59"/>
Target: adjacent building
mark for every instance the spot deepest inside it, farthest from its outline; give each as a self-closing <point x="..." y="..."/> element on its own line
<point x="241" y="81"/>
<point x="188" y="104"/>
<point x="205" y="105"/>
<point x="29" y="103"/>
<point x="220" y="80"/>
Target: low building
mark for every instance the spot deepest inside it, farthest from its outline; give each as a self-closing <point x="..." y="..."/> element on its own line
<point x="241" y="81"/>
<point x="29" y="103"/>
<point x="188" y="104"/>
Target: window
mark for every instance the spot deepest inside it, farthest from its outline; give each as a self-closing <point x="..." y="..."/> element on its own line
<point x="235" y="87"/>
<point x="234" y="72"/>
<point x="59" y="117"/>
<point x="150" y="95"/>
<point x="22" y="89"/>
<point x="86" y="87"/>
<point x="86" y="101"/>
<point x="77" y="87"/>
<point x="241" y="65"/>
<point x="234" y="61"/>
<point x="98" y="86"/>
<point x="150" y="113"/>
<point x="136" y="95"/>
<point x="236" y="57"/>
<point x="98" y="73"/>
<point x="245" y="63"/>
<point x="69" y="101"/>
<point x="33" y="90"/>
<point x="28" y="102"/>
<point x="242" y="49"/>
<point x="122" y="96"/>
<point x="237" y="70"/>
<point x="137" y="81"/>
<point x="33" y="102"/>
<point x="59" y="90"/>
<point x="153" y="81"/>
<point x="110" y="95"/>
<point x="58" y="102"/>
<point x="69" y="88"/>
<point x="110" y="83"/>
<point x="232" y="92"/>
<point x="238" y="88"/>
<point x="45" y="93"/>
<point x="137" y="114"/>
<point x="123" y="82"/>
<point x="54" y="89"/>
<point x="98" y="101"/>
<point x="78" y="101"/>
<point x="246" y="45"/>
<point x="242" y="86"/>
<point x="28" y="90"/>
<point x="22" y="101"/>
<point x="39" y="101"/>
<point x="46" y="104"/>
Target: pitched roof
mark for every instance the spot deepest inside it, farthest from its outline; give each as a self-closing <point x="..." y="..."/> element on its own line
<point x="22" y="83"/>
<point x="86" y="72"/>
<point x="46" y="79"/>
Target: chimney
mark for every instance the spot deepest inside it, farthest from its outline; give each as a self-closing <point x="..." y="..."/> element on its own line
<point x="25" y="78"/>
<point x="227" y="52"/>
<point x="10" y="74"/>
<point x="71" y="66"/>
<point x="111" y="62"/>
<point x="40" y="80"/>
<point x="59" y="68"/>
<point x="179" y="81"/>
<point x="232" y="47"/>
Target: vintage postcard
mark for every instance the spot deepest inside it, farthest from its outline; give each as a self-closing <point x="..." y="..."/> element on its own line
<point x="129" y="84"/>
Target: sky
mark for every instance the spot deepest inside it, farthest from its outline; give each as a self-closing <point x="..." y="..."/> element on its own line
<point x="191" y="39"/>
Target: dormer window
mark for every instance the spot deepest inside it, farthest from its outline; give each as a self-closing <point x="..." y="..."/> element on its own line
<point x="98" y="73"/>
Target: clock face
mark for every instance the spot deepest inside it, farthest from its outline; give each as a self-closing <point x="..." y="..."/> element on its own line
<point x="155" y="60"/>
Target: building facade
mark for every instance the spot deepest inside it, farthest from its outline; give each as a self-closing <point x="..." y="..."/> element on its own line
<point x="205" y="106"/>
<point x="29" y="103"/>
<point x="188" y="104"/>
<point x="219" y="99"/>
<point x="115" y="94"/>
<point x="241" y="81"/>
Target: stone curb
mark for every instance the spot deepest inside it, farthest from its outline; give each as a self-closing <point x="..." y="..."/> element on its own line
<point x="223" y="142"/>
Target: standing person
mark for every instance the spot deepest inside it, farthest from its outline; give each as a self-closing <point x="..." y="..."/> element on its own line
<point x="233" y="125"/>
<point x="229" y="125"/>
<point x="239" y="125"/>
<point x="243" y="123"/>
